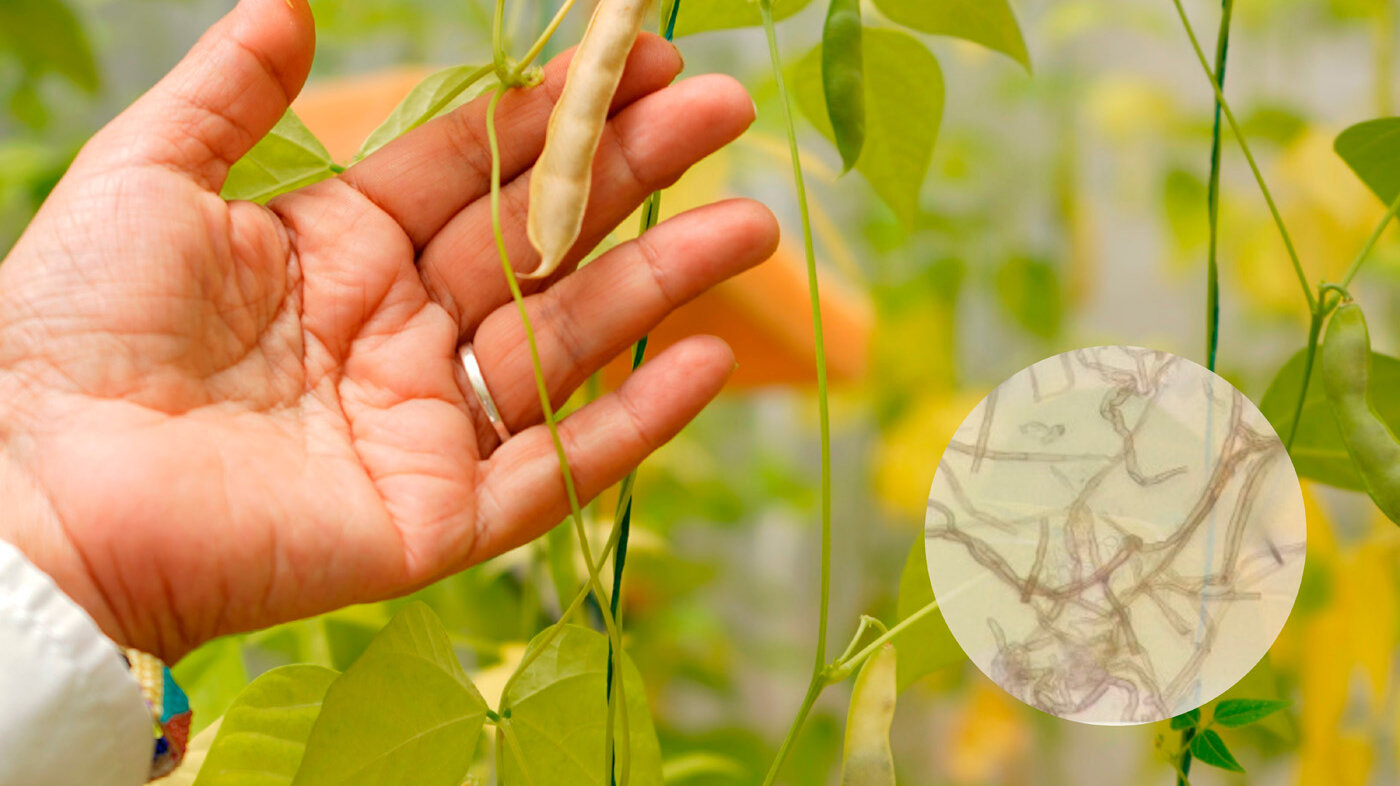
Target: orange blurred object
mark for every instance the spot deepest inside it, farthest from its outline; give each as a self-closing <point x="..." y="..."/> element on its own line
<point x="764" y="314"/>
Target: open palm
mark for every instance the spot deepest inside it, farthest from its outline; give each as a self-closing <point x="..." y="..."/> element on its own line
<point x="217" y="416"/>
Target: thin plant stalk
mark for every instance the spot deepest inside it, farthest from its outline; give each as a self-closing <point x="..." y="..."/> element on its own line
<point x="1222" y="52"/>
<point x="1249" y="157"/>
<point x="623" y="517"/>
<point x="1371" y="242"/>
<point x="614" y="639"/>
<point x="818" y="680"/>
<point x="814" y="294"/>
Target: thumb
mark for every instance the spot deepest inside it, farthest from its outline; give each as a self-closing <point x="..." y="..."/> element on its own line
<point x="227" y="93"/>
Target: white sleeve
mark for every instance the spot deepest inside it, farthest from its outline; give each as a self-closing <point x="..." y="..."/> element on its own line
<point x="70" y="712"/>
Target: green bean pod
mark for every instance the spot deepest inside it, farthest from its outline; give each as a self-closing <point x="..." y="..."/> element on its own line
<point x="563" y="176"/>
<point x="1346" y="371"/>
<point x="868" y="760"/>
<point x="843" y="78"/>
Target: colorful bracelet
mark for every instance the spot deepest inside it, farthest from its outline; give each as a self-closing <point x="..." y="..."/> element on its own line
<point x="170" y="710"/>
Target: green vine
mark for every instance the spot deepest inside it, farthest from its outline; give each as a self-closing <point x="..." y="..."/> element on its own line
<point x="819" y="676"/>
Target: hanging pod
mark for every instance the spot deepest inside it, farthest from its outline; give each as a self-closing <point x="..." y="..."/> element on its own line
<point x="868" y="760"/>
<point x="563" y="176"/>
<point x="1346" y="371"/>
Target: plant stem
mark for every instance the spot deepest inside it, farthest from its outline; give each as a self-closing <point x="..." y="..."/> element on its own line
<point x="843" y="668"/>
<point x="1249" y="156"/>
<point x="814" y="690"/>
<point x="543" y="40"/>
<point x="1314" y="330"/>
<point x="623" y="517"/>
<point x="818" y="681"/>
<point x="1184" y="767"/>
<point x="865" y="625"/>
<point x="1371" y="242"/>
<point x="614" y="639"/>
<point x="814" y="294"/>
<point x="1222" y="51"/>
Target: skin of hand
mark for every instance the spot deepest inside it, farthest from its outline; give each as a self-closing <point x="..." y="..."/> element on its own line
<point x="219" y="416"/>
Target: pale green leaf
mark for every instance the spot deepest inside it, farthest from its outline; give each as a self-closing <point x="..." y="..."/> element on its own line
<point x="436" y="95"/>
<point x="212" y="677"/>
<point x="903" y="111"/>
<point x="1186" y="719"/>
<point x="699" y="16"/>
<point x="263" y="735"/>
<point x="1318" y="451"/>
<point x="1372" y="150"/>
<point x="1209" y="748"/>
<point x="404" y="714"/>
<point x="1242" y="712"/>
<point x="927" y="645"/>
<point x="1262" y="681"/>
<point x="558" y="710"/>
<point x="288" y="158"/>
<point x="990" y="23"/>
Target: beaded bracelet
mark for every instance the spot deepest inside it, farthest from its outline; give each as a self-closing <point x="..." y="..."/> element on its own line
<point x="170" y="710"/>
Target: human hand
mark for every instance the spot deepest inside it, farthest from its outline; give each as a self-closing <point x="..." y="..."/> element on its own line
<point x="218" y="416"/>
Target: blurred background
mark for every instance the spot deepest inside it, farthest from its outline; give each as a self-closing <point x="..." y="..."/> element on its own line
<point x="1063" y="208"/>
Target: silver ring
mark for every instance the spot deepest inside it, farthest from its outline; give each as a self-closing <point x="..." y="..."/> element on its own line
<point x="483" y="394"/>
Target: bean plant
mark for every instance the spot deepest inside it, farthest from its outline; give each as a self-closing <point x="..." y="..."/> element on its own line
<point x="574" y="709"/>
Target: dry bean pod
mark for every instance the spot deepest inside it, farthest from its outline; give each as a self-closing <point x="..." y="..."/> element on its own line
<point x="868" y="760"/>
<point x="563" y="176"/>
<point x="1346" y="371"/>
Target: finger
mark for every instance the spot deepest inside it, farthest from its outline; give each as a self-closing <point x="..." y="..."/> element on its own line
<point x="646" y="147"/>
<point x="588" y="318"/>
<point x="522" y="493"/>
<point x="227" y="93"/>
<point x="425" y="177"/>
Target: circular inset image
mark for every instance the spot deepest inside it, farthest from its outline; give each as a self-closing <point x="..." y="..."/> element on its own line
<point x="1115" y="535"/>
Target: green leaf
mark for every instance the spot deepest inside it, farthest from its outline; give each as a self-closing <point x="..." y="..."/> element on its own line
<point x="927" y="645"/>
<point x="436" y="95"/>
<point x="288" y="158"/>
<point x="558" y="709"/>
<point x="1372" y="150"/>
<point x="263" y="734"/>
<point x="1262" y="683"/>
<point x="1030" y="291"/>
<point x="1208" y="748"/>
<point x="699" y="16"/>
<point x="987" y="22"/>
<point x="404" y="713"/>
<point x="1186" y="720"/>
<point x="843" y="78"/>
<point x="1318" y="451"/>
<point x="46" y="37"/>
<point x="1242" y="712"/>
<point x="903" y="111"/>
<point x="212" y="677"/>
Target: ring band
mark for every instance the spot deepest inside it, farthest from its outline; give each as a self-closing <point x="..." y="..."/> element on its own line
<point x="483" y="394"/>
